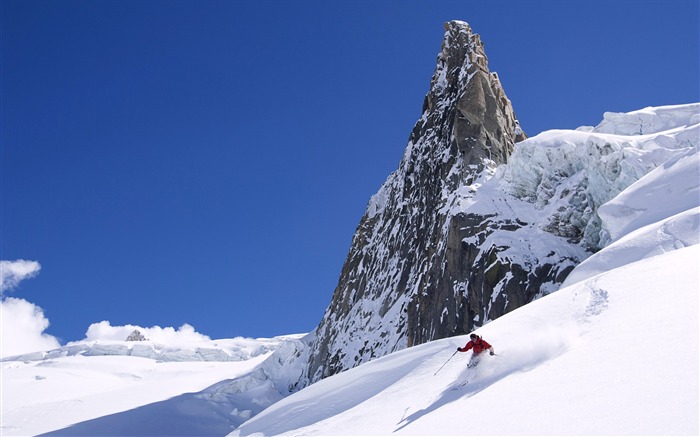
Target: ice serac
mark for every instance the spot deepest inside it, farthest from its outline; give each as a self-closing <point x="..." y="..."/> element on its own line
<point x="416" y="270"/>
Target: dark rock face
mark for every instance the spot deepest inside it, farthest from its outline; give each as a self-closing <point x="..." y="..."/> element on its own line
<point x="421" y="266"/>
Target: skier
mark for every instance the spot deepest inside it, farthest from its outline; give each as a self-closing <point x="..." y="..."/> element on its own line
<point x="478" y="345"/>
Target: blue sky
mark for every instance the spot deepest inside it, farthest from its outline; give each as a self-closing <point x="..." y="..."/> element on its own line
<point x="207" y="162"/>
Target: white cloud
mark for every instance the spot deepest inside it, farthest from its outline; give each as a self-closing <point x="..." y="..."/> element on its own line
<point x="184" y="334"/>
<point x="13" y="272"/>
<point x="22" y="326"/>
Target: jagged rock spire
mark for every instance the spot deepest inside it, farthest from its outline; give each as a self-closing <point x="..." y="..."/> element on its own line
<point x="465" y="96"/>
<point x="403" y="280"/>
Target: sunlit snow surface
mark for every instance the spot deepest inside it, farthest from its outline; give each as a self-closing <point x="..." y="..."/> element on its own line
<point x="134" y="388"/>
<point x="615" y="355"/>
<point x="613" y="352"/>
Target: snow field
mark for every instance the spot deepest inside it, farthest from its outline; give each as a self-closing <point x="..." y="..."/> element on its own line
<point x="42" y="396"/>
<point x="601" y="357"/>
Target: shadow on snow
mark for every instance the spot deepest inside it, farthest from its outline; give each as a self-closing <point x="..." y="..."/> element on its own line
<point x="216" y="410"/>
<point x="184" y="415"/>
<point x="452" y="393"/>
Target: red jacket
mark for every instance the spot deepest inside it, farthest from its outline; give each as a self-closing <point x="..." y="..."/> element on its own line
<point x="479" y="346"/>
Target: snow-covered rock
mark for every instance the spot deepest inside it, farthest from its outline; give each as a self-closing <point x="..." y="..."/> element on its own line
<point x="136" y="336"/>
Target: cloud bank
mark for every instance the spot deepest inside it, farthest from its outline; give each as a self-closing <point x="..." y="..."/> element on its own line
<point x="184" y="334"/>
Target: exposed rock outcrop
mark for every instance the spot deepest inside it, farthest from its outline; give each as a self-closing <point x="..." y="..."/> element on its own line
<point x="417" y="269"/>
<point x="136" y="336"/>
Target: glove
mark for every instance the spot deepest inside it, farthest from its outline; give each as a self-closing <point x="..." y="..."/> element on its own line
<point x="491" y="353"/>
<point x="459" y="349"/>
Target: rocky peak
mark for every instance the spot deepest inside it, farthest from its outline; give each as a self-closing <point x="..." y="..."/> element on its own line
<point x="461" y="55"/>
<point x="463" y="88"/>
<point x="136" y="336"/>
<point x="405" y="280"/>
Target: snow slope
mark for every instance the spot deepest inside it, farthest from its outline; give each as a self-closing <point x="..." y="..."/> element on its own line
<point x="55" y="394"/>
<point x="615" y="354"/>
<point x="127" y="388"/>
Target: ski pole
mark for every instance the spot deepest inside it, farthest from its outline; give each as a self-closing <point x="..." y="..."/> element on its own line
<point x="445" y="363"/>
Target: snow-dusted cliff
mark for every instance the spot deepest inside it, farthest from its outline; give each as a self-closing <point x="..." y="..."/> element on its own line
<point x="404" y="281"/>
<point x="562" y="196"/>
<point x="472" y="226"/>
